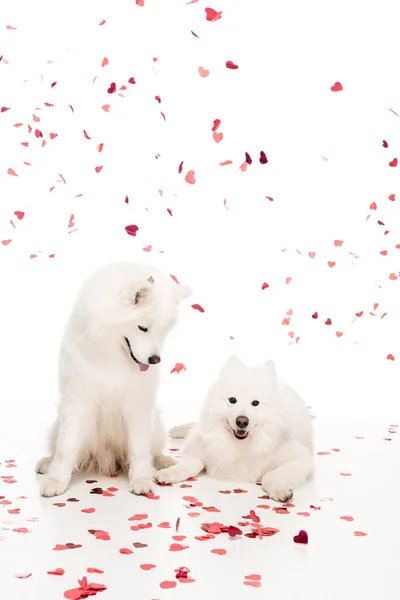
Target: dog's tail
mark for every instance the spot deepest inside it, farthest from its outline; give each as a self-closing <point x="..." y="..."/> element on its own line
<point x="181" y="431"/>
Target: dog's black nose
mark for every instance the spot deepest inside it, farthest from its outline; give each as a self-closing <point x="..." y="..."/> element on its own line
<point x="154" y="360"/>
<point x="242" y="422"/>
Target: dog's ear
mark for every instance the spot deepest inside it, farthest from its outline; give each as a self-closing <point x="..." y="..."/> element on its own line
<point x="270" y="369"/>
<point x="182" y="292"/>
<point x="140" y="294"/>
<point x="233" y="363"/>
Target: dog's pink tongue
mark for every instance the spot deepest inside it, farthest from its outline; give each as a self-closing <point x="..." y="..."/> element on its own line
<point x="143" y="367"/>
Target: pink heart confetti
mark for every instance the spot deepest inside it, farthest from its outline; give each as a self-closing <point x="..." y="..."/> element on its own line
<point x="212" y="15"/>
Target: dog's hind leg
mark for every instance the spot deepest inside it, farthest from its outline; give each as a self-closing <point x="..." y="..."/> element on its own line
<point x="43" y="465"/>
<point x="158" y="443"/>
<point x="181" y="431"/>
<point x="163" y="462"/>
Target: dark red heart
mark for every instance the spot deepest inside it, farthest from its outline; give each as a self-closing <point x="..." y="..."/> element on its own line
<point x="301" y="538"/>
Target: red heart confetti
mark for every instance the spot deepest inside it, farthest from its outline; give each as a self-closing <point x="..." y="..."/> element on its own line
<point x="231" y="65"/>
<point x="337" y="87"/>
<point x="212" y="15"/>
<point x="203" y="72"/>
<point x="301" y="537"/>
<point x="190" y="177"/>
<point x="86" y="589"/>
<point x="166" y="585"/>
<point x="177" y="547"/>
<point x="131" y="229"/>
<point x="178" y="368"/>
<point x="198" y="307"/>
<point x="182" y="573"/>
<point x="57" y="571"/>
<point x="217" y="136"/>
<point x="234" y="531"/>
<point x="94" y="570"/>
<point x="216" y="124"/>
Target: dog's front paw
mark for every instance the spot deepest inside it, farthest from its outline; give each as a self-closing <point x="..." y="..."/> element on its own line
<point x="283" y="495"/>
<point x="276" y="488"/>
<point x="169" y="475"/>
<point x="53" y="487"/>
<point x="141" y="486"/>
<point x="43" y="465"/>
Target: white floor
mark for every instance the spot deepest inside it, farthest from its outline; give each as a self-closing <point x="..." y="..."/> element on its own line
<point x="350" y="513"/>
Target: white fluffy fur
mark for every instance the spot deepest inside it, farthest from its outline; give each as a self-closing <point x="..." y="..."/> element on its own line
<point x="107" y="416"/>
<point x="278" y="448"/>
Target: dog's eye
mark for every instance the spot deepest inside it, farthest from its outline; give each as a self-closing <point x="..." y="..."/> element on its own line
<point x="255" y="403"/>
<point x="232" y="400"/>
<point x="143" y="328"/>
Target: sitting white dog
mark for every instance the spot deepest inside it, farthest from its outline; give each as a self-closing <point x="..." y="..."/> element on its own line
<point x="108" y="378"/>
<point x="253" y="428"/>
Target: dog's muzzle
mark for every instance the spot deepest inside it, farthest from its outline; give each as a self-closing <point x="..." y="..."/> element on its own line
<point x="142" y="366"/>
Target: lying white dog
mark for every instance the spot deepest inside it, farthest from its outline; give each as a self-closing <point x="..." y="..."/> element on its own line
<point x="108" y="378"/>
<point x="253" y="428"/>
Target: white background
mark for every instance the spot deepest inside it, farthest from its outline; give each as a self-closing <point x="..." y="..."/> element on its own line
<point x="326" y="167"/>
<point x="279" y="100"/>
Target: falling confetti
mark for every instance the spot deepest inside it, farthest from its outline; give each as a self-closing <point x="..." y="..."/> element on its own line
<point x="131" y="229"/>
<point x="212" y="15"/>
